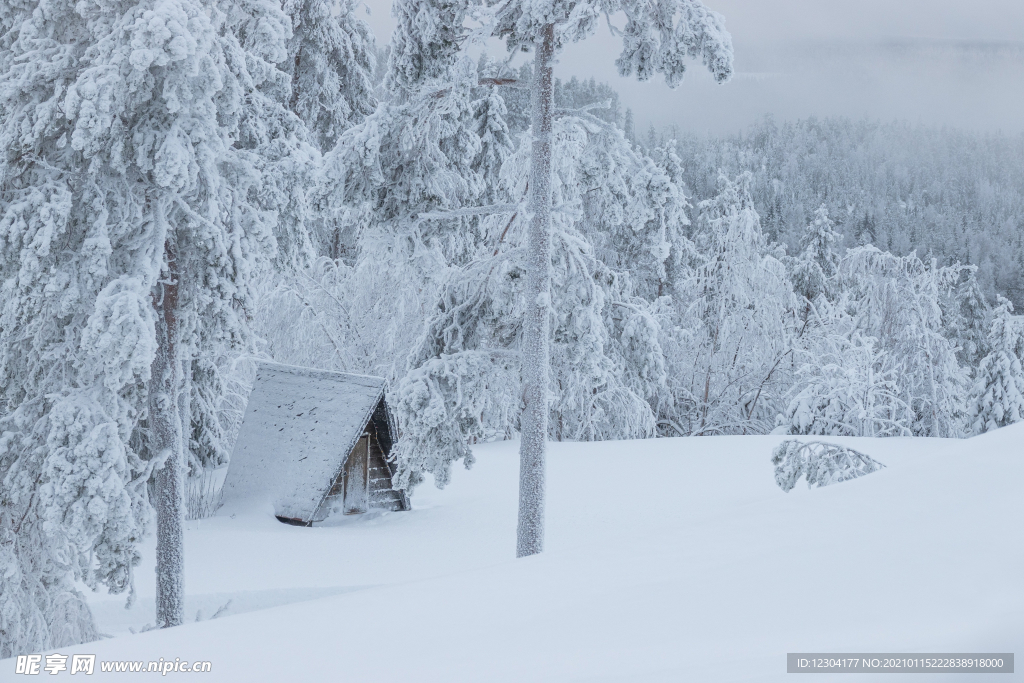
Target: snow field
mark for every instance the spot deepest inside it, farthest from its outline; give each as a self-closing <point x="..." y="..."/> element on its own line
<point x="665" y="560"/>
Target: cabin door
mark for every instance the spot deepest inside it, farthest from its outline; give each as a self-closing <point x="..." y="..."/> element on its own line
<point x="356" y="480"/>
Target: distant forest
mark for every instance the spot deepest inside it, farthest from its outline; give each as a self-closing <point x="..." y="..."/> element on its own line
<point x="949" y="194"/>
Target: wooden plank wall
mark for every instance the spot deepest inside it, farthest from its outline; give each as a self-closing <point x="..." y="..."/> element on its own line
<point x="379" y="492"/>
<point x="356" y="479"/>
<point x="382" y="495"/>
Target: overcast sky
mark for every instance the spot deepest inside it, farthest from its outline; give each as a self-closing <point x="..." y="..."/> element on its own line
<point x="943" y="62"/>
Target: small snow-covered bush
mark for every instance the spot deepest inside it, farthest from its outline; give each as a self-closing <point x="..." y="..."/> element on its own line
<point x="822" y="463"/>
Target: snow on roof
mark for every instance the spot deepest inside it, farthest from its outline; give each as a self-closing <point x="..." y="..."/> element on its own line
<point x="299" y="427"/>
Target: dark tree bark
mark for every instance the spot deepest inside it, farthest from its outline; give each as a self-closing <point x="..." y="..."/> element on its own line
<point x="165" y="428"/>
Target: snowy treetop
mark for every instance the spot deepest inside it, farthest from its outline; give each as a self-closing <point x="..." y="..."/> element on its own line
<point x="658" y="36"/>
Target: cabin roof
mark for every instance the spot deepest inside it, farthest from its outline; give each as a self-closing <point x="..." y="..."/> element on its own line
<point x="298" y="429"/>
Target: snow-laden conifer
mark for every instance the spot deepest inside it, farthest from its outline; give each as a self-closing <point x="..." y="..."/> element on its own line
<point x="667" y="158"/>
<point x="127" y="239"/>
<point x="814" y="269"/>
<point x="278" y="144"/>
<point x="633" y="213"/>
<point x="331" y="61"/>
<point x="392" y="180"/>
<point x="967" y="317"/>
<point x="997" y="398"/>
<point x="425" y="43"/>
<point x="491" y="127"/>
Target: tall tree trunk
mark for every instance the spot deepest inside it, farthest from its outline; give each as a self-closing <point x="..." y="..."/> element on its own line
<point x="293" y="103"/>
<point x="166" y="443"/>
<point x="185" y="418"/>
<point x="534" y="423"/>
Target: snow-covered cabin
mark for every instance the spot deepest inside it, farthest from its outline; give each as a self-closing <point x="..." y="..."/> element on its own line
<point x="312" y="441"/>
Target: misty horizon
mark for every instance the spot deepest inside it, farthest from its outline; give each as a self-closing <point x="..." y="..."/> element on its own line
<point x="935" y="64"/>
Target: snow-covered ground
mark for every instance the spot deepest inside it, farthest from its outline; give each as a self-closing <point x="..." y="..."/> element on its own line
<point x="665" y="560"/>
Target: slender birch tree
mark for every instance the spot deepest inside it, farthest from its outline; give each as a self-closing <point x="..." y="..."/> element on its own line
<point x="657" y="38"/>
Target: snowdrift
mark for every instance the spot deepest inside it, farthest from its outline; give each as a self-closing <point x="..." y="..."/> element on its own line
<point x="666" y="560"/>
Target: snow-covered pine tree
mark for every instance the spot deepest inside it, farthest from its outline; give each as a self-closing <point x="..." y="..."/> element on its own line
<point x="967" y="320"/>
<point x="207" y="444"/>
<point x="865" y="233"/>
<point x="389" y="176"/>
<point x="814" y="269"/>
<point x="331" y="61"/>
<point x="656" y="39"/>
<point x="276" y="140"/>
<point x="490" y="125"/>
<point x="628" y="128"/>
<point x="127" y="236"/>
<point x="997" y="398"/>
<point x="667" y="158"/>
<point x="425" y="43"/>
<point x="633" y="214"/>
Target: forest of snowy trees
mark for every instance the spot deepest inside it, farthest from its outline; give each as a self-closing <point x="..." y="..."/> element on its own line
<point x="188" y="186"/>
<point x="950" y="194"/>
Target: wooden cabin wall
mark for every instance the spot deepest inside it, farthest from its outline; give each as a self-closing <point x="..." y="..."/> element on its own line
<point x="357" y="478"/>
<point x="365" y="481"/>
<point x="380" y="426"/>
<point x="382" y="495"/>
<point x="348" y="481"/>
